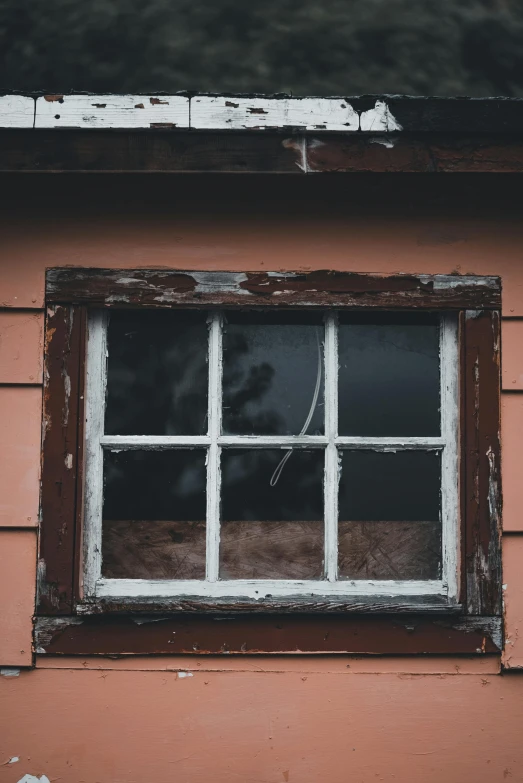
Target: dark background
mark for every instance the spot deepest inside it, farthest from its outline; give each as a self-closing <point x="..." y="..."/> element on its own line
<point x="315" y="47"/>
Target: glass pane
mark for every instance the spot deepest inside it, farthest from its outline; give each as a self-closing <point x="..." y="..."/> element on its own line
<point x="154" y="514"/>
<point x="157" y="373"/>
<point x="389" y="375"/>
<point x="273" y="374"/>
<point x="272" y="531"/>
<point x="389" y="515"/>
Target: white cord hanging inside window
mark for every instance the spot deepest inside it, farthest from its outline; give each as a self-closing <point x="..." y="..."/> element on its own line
<point x="277" y="473"/>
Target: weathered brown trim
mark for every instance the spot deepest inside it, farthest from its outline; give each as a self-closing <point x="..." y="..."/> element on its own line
<point x="399" y="152"/>
<point x="482" y="463"/>
<point x="430" y="605"/>
<point x="268" y="152"/>
<point x="151" y="151"/>
<point x="168" y="288"/>
<point x="60" y="440"/>
<point x="143" y="634"/>
<point x="381" y="626"/>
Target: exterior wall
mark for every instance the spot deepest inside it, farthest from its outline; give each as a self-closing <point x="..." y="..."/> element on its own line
<point x="269" y="718"/>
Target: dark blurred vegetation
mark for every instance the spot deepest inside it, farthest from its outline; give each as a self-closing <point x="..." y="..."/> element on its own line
<point x="322" y="47"/>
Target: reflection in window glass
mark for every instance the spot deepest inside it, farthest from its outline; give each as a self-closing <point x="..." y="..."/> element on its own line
<point x="271" y="532"/>
<point x="157" y="373"/>
<point x="154" y="514"/>
<point x="272" y="374"/>
<point x="389" y="375"/>
<point x="389" y="515"/>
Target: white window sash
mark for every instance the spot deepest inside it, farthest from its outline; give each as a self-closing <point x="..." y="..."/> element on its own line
<point x="94" y="586"/>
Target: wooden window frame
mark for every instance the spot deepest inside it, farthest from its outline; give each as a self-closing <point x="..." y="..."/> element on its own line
<point x="470" y="622"/>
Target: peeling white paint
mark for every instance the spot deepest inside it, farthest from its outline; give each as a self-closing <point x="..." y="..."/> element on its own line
<point x="14" y="760"/>
<point x="9" y="672"/>
<point x="112" y="111"/>
<point x="126" y="281"/>
<point x="456" y="281"/>
<point x="17" y="111"/>
<point x="384" y="141"/>
<point x="200" y="112"/>
<point x="146" y="619"/>
<point x="181" y="675"/>
<point x="212" y="282"/>
<point x="222" y="112"/>
<point x="379" y="118"/>
<point x="34" y="779"/>
<point x="68" y="461"/>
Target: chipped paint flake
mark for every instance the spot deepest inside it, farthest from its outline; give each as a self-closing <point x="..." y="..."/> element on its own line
<point x="380" y="118"/>
<point x="181" y="675"/>
<point x="34" y="779"/>
<point x="13" y="760"/>
<point x="223" y="282"/>
<point x="9" y="672"/>
<point x="385" y="141"/>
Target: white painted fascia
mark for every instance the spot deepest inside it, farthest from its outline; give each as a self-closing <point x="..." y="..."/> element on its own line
<point x="112" y="111"/>
<point x="17" y="111"/>
<point x="200" y="112"/>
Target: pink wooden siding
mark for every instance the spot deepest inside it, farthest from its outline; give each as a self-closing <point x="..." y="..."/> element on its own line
<point x="17" y="596"/>
<point x="21" y="346"/>
<point x="276" y="719"/>
<point x="20" y="439"/>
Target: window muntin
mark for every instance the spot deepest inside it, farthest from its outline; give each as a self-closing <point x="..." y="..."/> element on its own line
<point x="261" y="573"/>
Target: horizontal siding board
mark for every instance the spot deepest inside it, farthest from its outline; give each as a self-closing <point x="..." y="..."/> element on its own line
<point x="17" y="596"/>
<point x="21" y="346"/>
<point x="20" y="439"/>
<point x="512" y="456"/>
<point x="513" y="600"/>
<point x="512" y="357"/>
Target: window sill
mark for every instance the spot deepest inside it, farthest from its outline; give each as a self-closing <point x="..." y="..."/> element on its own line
<point x="228" y="633"/>
<point x="302" y="604"/>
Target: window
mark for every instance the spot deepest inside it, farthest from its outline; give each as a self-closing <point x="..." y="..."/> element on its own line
<point x="265" y="462"/>
<point x="266" y="455"/>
